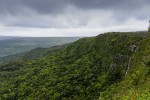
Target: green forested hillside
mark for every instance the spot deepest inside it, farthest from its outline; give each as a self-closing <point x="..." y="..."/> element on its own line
<point x="110" y="66"/>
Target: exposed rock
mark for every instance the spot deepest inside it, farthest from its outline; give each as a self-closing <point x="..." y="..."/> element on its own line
<point x="133" y="48"/>
<point x="113" y="65"/>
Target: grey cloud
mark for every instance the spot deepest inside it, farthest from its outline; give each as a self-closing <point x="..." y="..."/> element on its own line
<point x="9" y="6"/>
<point x="21" y="11"/>
<point x="40" y="6"/>
<point x="106" y="4"/>
<point x="46" y="6"/>
<point x="57" y="6"/>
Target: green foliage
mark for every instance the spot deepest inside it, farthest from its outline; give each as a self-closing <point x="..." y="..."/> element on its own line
<point x="88" y="69"/>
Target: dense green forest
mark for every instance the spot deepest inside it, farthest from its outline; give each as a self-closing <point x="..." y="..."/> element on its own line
<point x="110" y="66"/>
<point x="15" y="45"/>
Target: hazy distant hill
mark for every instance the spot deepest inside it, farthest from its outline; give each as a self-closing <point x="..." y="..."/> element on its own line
<point x="31" y="54"/>
<point x="5" y="37"/>
<point x="14" y="45"/>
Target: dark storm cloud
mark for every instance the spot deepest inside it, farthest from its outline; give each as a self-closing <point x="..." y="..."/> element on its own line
<point x="46" y="6"/>
<point x="122" y="9"/>
<point x="72" y="13"/>
<point x="57" y="6"/>
<point x="108" y="4"/>
<point x="9" y="6"/>
<point x="41" y="6"/>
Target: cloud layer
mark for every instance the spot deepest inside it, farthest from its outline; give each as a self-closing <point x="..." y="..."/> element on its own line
<point x="72" y="17"/>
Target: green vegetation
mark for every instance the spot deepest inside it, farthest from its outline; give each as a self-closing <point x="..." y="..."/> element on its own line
<point x="111" y="66"/>
<point x="15" y="45"/>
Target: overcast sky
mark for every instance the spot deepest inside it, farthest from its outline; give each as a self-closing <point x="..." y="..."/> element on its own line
<point x="72" y="17"/>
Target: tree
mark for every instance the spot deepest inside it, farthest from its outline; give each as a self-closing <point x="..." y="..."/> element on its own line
<point x="149" y="27"/>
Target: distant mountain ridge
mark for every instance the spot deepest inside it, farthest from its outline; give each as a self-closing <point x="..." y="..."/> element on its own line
<point x="5" y="37"/>
<point x="14" y="45"/>
<point x="31" y="54"/>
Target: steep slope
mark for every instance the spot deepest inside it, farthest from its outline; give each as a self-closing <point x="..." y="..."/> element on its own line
<point x="31" y="54"/>
<point x="111" y="66"/>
